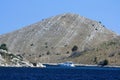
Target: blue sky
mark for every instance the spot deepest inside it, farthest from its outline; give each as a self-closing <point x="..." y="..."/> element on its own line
<point x="15" y="14"/>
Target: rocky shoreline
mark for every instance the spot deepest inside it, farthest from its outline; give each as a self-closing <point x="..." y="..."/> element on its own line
<point x="7" y="59"/>
<point x="55" y="64"/>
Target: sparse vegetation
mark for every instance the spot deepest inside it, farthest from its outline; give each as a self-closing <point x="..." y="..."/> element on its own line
<point x="96" y="29"/>
<point x="118" y="53"/>
<point x="93" y="24"/>
<point x="32" y="44"/>
<point x="34" y="64"/>
<point x="57" y="53"/>
<point x="4" y="47"/>
<point x="112" y="43"/>
<point x="65" y="45"/>
<point x="75" y="48"/>
<point x="103" y="25"/>
<point x="48" y="53"/>
<point x="52" y="47"/>
<point x="40" y="56"/>
<point x="112" y="54"/>
<point x="63" y="16"/>
<point x="67" y="52"/>
<point x="29" y="54"/>
<point x="95" y="60"/>
<point x="23" y="54"/>
<point x="103" y="63"/>
<point x="46" y="45"/>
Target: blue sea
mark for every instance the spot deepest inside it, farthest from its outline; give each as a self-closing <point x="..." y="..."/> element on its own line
<point x="59" y="73"/>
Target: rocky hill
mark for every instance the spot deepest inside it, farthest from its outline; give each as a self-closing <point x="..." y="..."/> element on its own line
<point x="108" y="50"/>
<point x="52" y="39"/>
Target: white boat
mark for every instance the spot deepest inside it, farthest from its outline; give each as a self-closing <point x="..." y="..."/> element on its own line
<point x="40" y="65"/>
<point x="67" y="64"/>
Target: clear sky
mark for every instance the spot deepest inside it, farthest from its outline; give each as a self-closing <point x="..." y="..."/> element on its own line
<point x="15" y="14"/>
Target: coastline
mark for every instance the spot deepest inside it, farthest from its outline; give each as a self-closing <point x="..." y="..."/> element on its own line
<point x="55" y="64"/>
<point x="85" y="65"/>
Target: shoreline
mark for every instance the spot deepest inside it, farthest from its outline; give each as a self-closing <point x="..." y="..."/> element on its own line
<point x="55" y="64"/>
<point x="86" y="65"/>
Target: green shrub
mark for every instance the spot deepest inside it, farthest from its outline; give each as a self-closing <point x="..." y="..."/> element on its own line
<point x="32" y="44"/>
<point x="118" y="53"/>
<point x="4" y="47"/>
<point x="48" y="53"/>
<point x="67" y="52"/>
<point x="95" y="60"/>
<point x="103" y="63"/>
<point x="75" y="48"/>
<point x="112" y="43"/>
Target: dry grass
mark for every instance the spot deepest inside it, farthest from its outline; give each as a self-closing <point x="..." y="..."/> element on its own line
<point x="109" y="50"/>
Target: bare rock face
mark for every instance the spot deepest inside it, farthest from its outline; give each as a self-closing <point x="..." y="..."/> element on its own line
<point x="52" y="39"/>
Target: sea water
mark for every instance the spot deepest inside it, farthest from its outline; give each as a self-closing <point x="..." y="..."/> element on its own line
<point x="59" y="73"/>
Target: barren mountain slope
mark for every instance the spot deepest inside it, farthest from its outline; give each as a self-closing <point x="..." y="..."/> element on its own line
<point x="52" y="39"/>
<point x="109" y="50"/>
